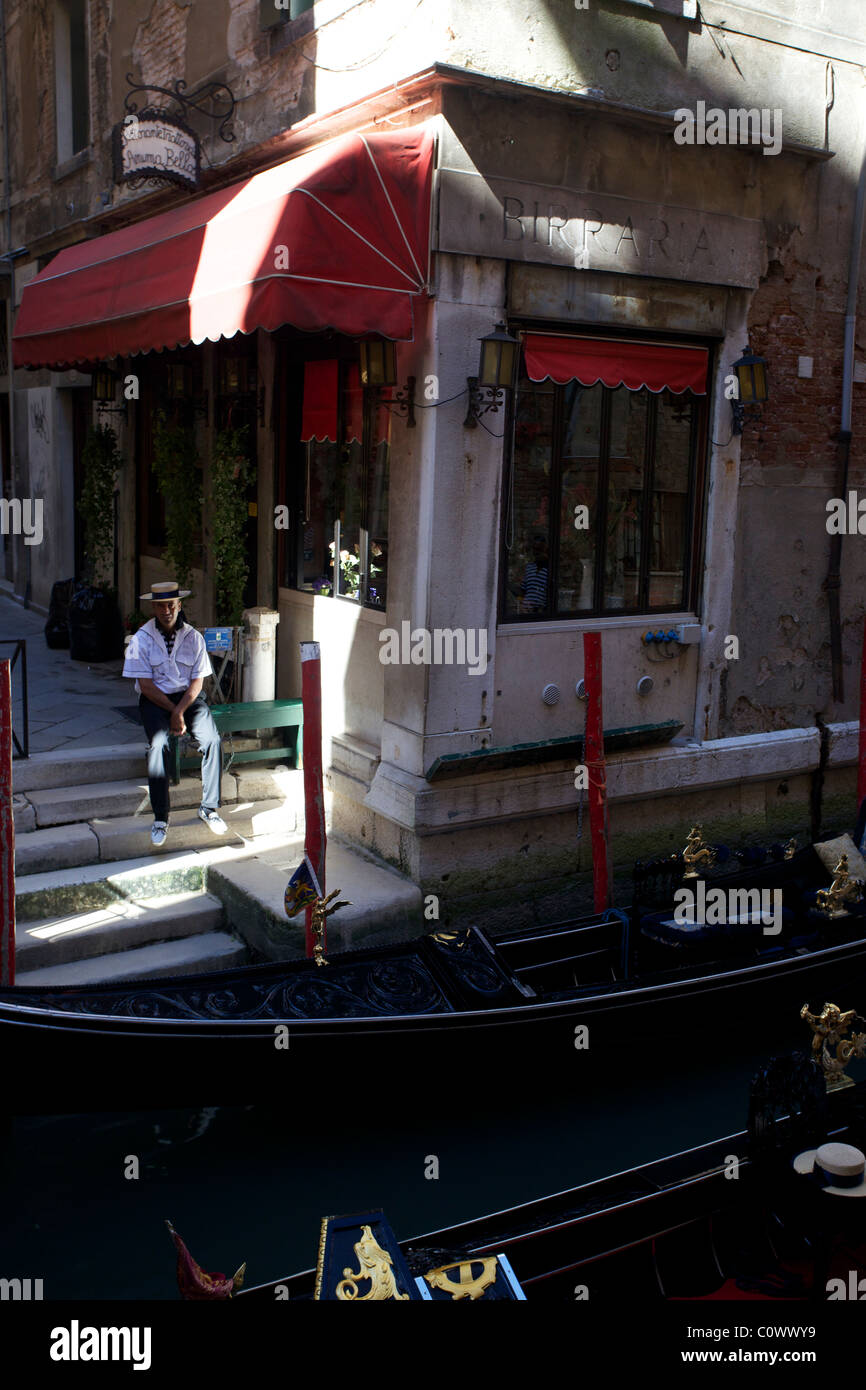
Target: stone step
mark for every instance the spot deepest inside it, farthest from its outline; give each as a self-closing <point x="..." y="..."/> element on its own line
<point x="189" y="956"/>
<point x="118" y="926"/>
<point x="122" y="837"/>
<point x="62" y="892"/>
<point x="383" y="905"/>
<point x="74" y="767"/>
<point x="23" y="815"/>
<point x="68" y="805"/>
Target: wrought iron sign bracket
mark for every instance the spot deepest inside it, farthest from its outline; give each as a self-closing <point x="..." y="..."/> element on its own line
<point x="482" y="400"/>
<point x="215" y="100"/>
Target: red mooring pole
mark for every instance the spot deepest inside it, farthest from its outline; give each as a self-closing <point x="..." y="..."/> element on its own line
<point x="594" y="756"/>
<point x="314" y="795"/>
<point x="7" y="832"/>
<point x="861" y="764"/>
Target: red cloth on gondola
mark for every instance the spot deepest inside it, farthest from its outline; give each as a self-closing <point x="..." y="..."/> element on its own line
<point x="196" y="1284"/>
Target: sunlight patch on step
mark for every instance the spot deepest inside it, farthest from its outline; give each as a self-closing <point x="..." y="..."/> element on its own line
<point x="64" y="926"/>
<point x="113" y="914"/>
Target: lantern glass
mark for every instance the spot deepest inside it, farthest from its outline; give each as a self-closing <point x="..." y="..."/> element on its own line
<point x="102" y="384"/>
<point x="488" y="371"/>
<point x="498" y="357"/>
<point x="378" y="362"/>
<point x="179" y="381"/>
<point x="233" y="376"/>
<point x="751" y="373"/>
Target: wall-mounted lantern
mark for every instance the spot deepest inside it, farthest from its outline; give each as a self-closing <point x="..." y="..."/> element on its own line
<point x="751" y="372"/>
<point x="496" y="373"/>
<point x="178" y="381"/>
<point x="103" y="386"/>
<point x="237" y="376"/>
<point x="378" y="360"/>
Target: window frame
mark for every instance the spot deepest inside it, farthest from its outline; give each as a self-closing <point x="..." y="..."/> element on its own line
<point x="64" y="85"/>
<point x="696" y="505"/>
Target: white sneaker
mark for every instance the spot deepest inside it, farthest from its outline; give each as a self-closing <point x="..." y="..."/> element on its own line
<point x="214" y="820"/>
<point x="157" y="832"/>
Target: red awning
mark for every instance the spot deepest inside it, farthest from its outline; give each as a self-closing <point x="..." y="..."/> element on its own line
<point x="337" y="238"/>
<point x="657" y="366"/>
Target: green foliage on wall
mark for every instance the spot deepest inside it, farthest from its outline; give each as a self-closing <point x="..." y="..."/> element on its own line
<point x="101" y="460"/>
<point x="232" y="472"/>
<point x="176" y="465"/>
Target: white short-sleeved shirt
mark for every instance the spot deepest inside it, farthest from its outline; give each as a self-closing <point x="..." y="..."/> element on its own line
<point x="148" y="656"/>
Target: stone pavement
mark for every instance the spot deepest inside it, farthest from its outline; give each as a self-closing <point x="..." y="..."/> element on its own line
<point x="72" y="705"/>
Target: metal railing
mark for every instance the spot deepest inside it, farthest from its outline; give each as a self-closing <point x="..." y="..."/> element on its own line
<point x="21" y="747"/>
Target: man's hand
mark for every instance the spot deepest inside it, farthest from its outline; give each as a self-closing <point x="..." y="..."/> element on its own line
<point x="177" y="724"/>
<point x="153" y="693"/>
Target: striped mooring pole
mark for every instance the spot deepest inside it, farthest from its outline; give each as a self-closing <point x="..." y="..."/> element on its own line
<point x="7" y="832"/>
<point x="593" y="753"/>
<point x="315" y="840"/>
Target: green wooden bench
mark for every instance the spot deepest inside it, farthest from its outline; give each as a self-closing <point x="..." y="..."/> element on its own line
<point x="252" y="715"/>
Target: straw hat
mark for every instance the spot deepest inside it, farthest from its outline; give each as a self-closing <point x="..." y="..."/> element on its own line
<point x="166" y="589"/>
<point x="839" y="1168"/>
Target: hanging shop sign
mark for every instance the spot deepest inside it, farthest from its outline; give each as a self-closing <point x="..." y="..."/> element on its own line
<point x="155" y="146"/>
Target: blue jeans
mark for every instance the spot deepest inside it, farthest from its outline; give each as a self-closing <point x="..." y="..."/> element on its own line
<point x="200" y="723"/>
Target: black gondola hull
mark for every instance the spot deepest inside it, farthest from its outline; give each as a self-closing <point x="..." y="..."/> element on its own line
<point x="57" y="1059"/>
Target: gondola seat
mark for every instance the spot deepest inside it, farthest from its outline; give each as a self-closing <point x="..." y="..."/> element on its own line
<point x="663" y="930"/>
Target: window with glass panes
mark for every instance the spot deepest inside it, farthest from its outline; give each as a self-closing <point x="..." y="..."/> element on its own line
<point x="341" y="544"/>
<point x="602" y="501"/>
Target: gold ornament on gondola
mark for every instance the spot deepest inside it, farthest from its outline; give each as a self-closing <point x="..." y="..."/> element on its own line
<point x="321" y="911"/>
<point x="830" y="1028"/>
<point x="844" y="889"/>
<point x="374" y="1266"/>
<point x="469" y="1283"/>
<point x="697" y="854"/>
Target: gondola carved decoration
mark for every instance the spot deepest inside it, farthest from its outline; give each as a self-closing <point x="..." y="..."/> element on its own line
<point x="321" y="911"/>
<point x="696" y="853"/>
<point x="468" y="1284"/>
<point x="844" y="889"/>
<point x="831" y="1029"/>
<point x="374" y="1265"/>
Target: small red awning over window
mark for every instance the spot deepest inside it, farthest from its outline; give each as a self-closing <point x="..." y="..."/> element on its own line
<point x="320" y="401"/>
<point x="321" y="393"/>
<point x="657" y="366"/>
<point x="337" y="238"/>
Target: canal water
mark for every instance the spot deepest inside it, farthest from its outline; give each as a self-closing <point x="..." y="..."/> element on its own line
<point x="251" y="1183"/>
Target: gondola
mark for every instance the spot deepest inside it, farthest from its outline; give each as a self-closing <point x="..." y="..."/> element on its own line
<point x="228" y="1032"/>
<point x="730" y="1220"/>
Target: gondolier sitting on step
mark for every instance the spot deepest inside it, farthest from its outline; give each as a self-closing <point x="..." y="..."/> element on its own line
<point x="169" y="661"/>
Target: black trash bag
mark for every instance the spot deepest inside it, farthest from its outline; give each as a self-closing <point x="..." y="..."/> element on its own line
<point x="95" y="627"/>
<point x="57" y="626"/>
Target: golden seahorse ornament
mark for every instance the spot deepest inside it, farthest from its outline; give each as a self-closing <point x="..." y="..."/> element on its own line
<point x="374" y="1264"/>
<point x="696" y="854"/>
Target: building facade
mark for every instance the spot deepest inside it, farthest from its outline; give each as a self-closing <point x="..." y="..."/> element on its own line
<point x="637" y="193"/>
